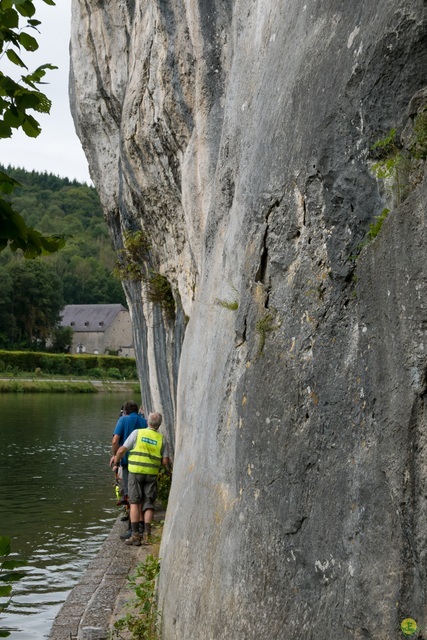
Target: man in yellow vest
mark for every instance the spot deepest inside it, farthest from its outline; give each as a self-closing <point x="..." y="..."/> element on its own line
<point x="148" y="451"/>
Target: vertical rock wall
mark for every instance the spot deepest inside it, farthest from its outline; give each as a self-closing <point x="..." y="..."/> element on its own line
<point x="237" y="136"/>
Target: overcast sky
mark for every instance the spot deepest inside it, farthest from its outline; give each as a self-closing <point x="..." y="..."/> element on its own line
<point x="57" y="149"/>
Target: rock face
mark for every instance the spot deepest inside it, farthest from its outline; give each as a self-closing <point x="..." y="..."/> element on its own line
<point x="237" y="136"/>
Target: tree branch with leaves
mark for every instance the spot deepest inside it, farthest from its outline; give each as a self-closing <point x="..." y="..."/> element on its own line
<point x="18" y="99"/>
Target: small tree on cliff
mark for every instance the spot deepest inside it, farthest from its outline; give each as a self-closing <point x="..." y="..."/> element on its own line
<point x="17" y="100"/>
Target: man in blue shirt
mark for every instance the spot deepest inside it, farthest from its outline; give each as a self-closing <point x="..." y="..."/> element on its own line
<point x="128" y="422"/>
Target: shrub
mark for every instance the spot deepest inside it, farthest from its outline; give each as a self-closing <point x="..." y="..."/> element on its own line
<point x="164" y="481"/>
<point x="65" y="364"/>
<point x="129" y="373"/>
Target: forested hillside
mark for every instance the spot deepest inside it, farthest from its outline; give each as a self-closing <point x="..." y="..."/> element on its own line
<point x="78" y="274"/>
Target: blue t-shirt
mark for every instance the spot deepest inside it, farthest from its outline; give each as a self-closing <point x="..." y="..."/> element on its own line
<point x="124" y="427"/>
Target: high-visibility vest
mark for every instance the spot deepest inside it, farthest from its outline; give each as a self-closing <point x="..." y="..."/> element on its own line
<point x="146" y="456"/>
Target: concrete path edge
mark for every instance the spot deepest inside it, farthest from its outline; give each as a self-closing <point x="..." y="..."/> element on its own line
<point x="87" y="614"/>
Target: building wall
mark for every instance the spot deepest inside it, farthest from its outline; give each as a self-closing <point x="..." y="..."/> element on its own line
<point x="88" y="342"/>
<point x="117" y="337"/>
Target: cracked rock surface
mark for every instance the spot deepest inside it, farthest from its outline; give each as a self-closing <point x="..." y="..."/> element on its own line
<point x="237" y="135"/>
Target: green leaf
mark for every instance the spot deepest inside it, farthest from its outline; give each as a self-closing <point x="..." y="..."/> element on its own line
<point x="5" y="591"/>
<point x="44" y="104"/>
<point x="31" y="127"/>
<point x="28" y="42"/>
<point x="4" y="546"/>
<point x="39" y="73"/>
<point x="13" y="57"/>
<point x="34" y="23"/>
<point x="6" y="212"/>
<point x="8" y="87"/>
<point x="9" y="565"/>
<point x="13" y="117"/>
<point x="13" y="576"/>
<point x="12" y="224"/>
<point x="51" y="244"/>
<point x="4" y="633"/>
<point x="7" y="185"/>
<point x="26" y="8"/>
<point x="50" y="2"/>
<point x="5" y="130"/>
<point x="9" y="18"/>
<point x="29" y="100"/>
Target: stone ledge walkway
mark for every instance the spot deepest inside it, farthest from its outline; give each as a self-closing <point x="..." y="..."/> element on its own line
<point x="94" y="603"/>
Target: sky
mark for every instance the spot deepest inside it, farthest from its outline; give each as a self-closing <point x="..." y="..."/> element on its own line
<point x="57" y="149"/>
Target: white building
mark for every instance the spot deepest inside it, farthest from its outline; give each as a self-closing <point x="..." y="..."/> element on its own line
<point x="99" y="328"/>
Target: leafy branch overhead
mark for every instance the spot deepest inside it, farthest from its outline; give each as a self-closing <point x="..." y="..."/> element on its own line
<point x="8" y="576"/>
<point x="17" y="100"/>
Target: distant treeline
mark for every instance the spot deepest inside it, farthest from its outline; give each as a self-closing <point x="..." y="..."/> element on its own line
<point x="35" y="362"/>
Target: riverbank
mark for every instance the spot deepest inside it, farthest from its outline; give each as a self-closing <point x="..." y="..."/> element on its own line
<point x="47" y="385"/>
<point x="99" y="598"/>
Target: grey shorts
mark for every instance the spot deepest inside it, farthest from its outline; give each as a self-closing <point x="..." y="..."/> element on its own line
<point x="142" y="490"/>
<point x="124" y="480"/>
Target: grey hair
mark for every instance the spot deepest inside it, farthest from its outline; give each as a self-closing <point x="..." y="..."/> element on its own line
<point x="155" y="420"/>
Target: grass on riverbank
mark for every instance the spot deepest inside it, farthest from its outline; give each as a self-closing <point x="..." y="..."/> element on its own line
<point x="48" y="386"/>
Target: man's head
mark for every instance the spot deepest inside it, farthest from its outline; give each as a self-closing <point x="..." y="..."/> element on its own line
<point x="155" y="420"/>
<point x="130" y="407"/>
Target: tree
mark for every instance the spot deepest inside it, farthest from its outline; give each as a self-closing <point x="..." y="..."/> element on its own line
<point x="35" y="301"/>
<point x="17" y="100"/>
<point x="7" y="321"/>
<point x="62" y="339"/>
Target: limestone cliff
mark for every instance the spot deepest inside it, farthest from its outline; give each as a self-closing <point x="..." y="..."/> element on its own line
<point x="237" y="136"/>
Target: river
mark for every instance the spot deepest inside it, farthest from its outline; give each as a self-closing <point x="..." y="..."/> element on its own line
<point x="57" y="501"/>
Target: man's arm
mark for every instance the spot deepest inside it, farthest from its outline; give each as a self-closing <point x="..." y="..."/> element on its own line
<point x="118" y="456"/>
<point x="114" y="446"/>
<point x="128" y="444"/>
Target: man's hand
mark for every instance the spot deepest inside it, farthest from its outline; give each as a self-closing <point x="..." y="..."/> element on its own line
<point x="112" y="463"/>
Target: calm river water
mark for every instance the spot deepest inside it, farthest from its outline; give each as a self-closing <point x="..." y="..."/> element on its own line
<point x="57" y="501"/>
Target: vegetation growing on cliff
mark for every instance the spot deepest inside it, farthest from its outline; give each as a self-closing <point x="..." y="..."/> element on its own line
<point x="132" y="265"/>
<point x="399" y="163"/>
<point x="265" y="325"/>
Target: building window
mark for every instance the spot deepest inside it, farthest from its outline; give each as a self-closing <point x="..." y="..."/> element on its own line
<point x="80" y="348"/>
<point x="95" y="351"/>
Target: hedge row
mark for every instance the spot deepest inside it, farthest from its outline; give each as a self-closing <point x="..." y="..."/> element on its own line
<point x="64" y="364"/>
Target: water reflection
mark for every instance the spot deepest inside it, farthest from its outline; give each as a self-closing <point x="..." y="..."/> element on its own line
<point x="56" y="497"/>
